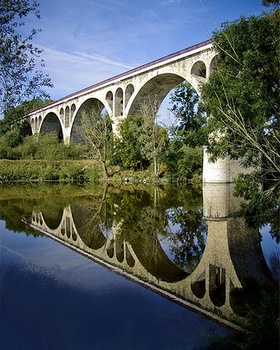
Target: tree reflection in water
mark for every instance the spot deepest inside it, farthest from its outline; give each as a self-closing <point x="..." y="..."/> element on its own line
<point x="187" y="236"/>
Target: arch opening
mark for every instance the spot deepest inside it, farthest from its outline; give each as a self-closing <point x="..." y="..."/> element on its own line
<point x="198" y="71"/>
<point x="61" y="113"/>
<point x="109" y="99"/>
<point x="119" y="102"/>
<point x="198" y="287"/>
<point x="53" y="217"/>
<point x="73" y="109"/>
<point x="129" y="258"/>
<point x="154" y="259"/>
<point x="128" y="93"/>
<point x="92" y="108"/>
<point x="110" y="249"/>
<point x="52" y="124"/>
<point x="213" y="64"/>
<point x="156" y="90"/>
<point x="120" y="251"/>
<point x="67" y="116"/>
<point x="217" y="285"/>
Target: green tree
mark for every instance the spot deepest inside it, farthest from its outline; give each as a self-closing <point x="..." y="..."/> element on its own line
<point x="127" y="145"/>
<point x="19" y="79"/>
<point x="242" y="100"/>
<point x="184" y="152"/>
<point x="190" y="117"/>
<point x="182" y="161"/>
<point x="141" y="139"/>
<point x="153" y="137"/>
<point x="14" y="118"/>
<point x="95" y="130"/>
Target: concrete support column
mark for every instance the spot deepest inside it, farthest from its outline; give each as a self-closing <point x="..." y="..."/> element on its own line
<point x="222" y="170"/>
<point x="215" y="172"/>
<point x="66" y="135"/>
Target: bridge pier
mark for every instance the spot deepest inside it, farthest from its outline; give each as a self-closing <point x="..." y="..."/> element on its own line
<point x="222" y="170"/>
<point x="66" y="136"/>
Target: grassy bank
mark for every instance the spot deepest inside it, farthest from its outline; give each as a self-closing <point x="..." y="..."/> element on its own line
<point x="70" y="170"/>
<point x="48" y="170"/>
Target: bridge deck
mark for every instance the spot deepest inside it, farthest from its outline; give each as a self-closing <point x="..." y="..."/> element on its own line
<point x="127" y="73"/>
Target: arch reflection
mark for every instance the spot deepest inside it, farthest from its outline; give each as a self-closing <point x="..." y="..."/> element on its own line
<point x="232" y="259"/>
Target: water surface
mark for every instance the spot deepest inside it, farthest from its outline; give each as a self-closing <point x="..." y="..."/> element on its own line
<point x="118" y="268"/>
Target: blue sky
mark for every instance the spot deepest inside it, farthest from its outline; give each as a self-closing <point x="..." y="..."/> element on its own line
<point x="87" y="41"/>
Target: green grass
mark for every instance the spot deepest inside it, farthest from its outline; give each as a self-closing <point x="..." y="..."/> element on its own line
<point x="32" y="170"/>
<point x="48" y="170"/>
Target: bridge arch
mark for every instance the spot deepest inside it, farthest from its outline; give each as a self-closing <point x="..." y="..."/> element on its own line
<point x="156" y="89"/>
<point x="53" y="221"/>
<point x="118" y="102"/>
<point x="61" y="113"/>
<point x="199" y="70"/>
<point x="198" y="286"/>
<point x="51" y="123"/>
<point x="67" y="117"/>
<point x="91" y="235"/>
<point x="213" y="64"/>
<point x="72" y="111"/>
<point x="109" y="99"/>
<point x="154" y="259"/>
<point x="92" y="105"/>
<point x="129" y="90"/>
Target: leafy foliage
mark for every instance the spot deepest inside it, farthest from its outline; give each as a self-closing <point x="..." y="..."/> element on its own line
<point x="128" y="146"/>
<point x="13" y="118"/>
<point x="35" y="147"/>
<point x="271" y="3"/>
<point x="19" y="79"/>
<point x="242" y="100"/>
<point x="141" y="140"/>
<point x="183" y="155"/>
<point x="95" y="129"/>
<point x="187" y="110"/>
<point x="242" y="96"/>
<point x="183" y="162"/>
<point x="263" y="329"/>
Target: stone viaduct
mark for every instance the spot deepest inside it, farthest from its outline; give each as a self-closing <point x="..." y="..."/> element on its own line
<point x="123" y="95"/>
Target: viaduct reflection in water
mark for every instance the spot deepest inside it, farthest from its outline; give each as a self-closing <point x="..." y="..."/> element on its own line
<point x="232" y="258"/>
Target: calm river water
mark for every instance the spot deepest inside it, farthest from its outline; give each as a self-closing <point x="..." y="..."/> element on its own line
<point x="125" y="267"/>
